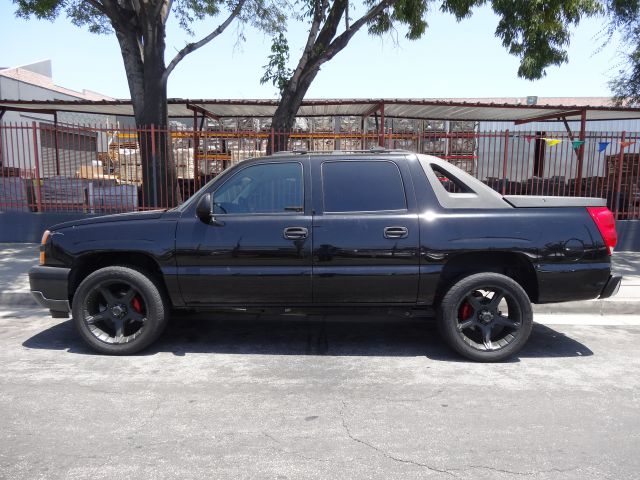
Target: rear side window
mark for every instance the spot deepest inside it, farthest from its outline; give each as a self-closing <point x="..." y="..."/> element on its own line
<point x="362" y="186"/>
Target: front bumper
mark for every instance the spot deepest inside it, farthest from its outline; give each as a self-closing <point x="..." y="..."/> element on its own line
<point x="49" y="286"/>
<point x="612" y="286"/>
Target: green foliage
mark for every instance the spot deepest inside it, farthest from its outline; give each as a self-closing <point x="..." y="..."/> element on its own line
<point x="408" y="13"/>
<point x="266" y="15"/>
<point x="536" y="31"/>
<point x="41" y="9"/>
<point x="276" y="70"/>
<point x="624" y="18"/>
<point x="189" y="11"/>
<point x="79" y="12"/>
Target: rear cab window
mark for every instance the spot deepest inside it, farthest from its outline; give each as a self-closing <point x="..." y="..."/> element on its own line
<point x="362" y="186"/>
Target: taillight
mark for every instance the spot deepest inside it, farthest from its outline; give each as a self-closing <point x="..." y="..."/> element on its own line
<point x="606" y="224"/>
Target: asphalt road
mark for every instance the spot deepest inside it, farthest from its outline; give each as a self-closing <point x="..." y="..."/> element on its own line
<point x="239" y="398"/>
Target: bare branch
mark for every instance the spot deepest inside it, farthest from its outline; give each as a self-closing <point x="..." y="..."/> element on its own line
<point x="98" y="6"/>
<point x="321" y="6"/>
<point x="342" y="40"/>
<point x="190" y="47"/>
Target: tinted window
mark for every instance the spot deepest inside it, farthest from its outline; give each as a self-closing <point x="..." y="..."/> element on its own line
<point x="266" y="188"/>
<point x="362" y="187"/>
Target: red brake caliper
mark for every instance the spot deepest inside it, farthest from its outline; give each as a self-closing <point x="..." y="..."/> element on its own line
<point x="465" y="311"/>
<point x="136" y="304"/>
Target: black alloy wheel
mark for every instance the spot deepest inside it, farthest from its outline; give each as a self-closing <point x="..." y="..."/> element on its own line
<point x="119" y="310"/>
<point x="486" y="317"/>
<point x="115" y="312"/>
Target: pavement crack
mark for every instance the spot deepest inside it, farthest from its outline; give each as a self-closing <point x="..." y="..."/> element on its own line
<point x="387" y="454"/>
<point x="283" y="449"/>
<point x="513" y="472"/>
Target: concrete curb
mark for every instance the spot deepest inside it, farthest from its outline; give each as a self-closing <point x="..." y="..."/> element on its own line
<point x="590" y="307"/>
<point x="18" y="299"/>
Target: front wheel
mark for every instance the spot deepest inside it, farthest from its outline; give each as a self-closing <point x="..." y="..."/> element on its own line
<point x="119" y="310"/>
<point x="486" y="317"/>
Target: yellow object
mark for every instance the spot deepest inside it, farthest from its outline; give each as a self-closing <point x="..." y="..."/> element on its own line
<point x="45" y="236"/>
<point x="552" y="141"/>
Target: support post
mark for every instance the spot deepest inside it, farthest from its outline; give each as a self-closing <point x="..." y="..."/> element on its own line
<point x="273" y="139"/>
<point x="36" y="158"/>
<point x="504" y="162"/>
<point x="154" y="174"/>
<point x="583" y="126"/>
<point x="381" y="132"/>
<point x="196" y="147"/>
<point x="618" y="192"/>
<point x="2" y="112"/>
<point x="55" y="141"/>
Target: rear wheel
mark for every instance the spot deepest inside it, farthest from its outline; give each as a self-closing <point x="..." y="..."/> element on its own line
<point x="486" y="317"/>
<point x="119" y="310"/>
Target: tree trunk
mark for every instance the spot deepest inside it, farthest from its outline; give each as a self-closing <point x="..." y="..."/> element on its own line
<point x="284" y="117"/>
<point x="148" y="87"/>
<point x="159" y="182"/>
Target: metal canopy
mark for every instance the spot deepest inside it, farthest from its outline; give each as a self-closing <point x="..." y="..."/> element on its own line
<point x="427" y="109"/>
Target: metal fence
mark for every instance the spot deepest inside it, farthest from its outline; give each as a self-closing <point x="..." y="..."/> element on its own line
<point x="96" y="169"/>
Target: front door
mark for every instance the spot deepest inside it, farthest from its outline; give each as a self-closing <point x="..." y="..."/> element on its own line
<point x="258" y="248"/>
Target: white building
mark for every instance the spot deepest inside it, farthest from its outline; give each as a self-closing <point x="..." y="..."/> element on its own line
<point x="58" y="154"/>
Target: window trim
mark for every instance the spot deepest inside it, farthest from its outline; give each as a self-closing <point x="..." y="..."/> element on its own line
<point x="262" y="214"/>
<point x="368" y="212"/>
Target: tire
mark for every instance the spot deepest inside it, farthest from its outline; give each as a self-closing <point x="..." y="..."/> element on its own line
<point x="119" y="310"/>
<point x="471" y="319"/>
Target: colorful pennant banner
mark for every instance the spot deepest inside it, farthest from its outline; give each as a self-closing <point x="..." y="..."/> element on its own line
<point x="552" y="141"/>
<point x="576" y="144"/>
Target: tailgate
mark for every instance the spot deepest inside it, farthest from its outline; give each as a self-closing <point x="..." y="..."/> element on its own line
<point x="526" y="201"/>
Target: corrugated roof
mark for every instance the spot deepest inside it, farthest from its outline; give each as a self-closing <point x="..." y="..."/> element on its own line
<point x="431" y="109"/>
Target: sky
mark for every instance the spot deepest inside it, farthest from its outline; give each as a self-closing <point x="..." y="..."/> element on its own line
<point x="452" y="60"/>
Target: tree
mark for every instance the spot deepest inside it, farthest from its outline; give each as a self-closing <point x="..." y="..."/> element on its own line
<point x="140" y="28"/>
<point x="537" y="31"/>
<point x="624" y="17"/>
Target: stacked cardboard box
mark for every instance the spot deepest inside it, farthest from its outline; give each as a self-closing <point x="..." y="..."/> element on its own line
<point x="63" y="193"/>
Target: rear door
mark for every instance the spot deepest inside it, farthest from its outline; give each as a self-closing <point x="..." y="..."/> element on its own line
<point x="365" y="232"/>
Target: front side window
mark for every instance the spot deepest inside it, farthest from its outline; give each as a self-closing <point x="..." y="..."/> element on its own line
<point x="362" y="186"/>
<point x="265" y="188"/>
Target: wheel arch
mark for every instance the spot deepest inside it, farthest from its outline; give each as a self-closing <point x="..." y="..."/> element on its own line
<point x="88" y="263"/>
<point x="511" y="264"/>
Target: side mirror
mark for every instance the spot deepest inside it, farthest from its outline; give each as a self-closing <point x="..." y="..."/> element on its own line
<point x="204" y="210"/>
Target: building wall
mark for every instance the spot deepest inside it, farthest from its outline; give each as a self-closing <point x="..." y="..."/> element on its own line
<point x="560" y="160"/>
<point x="16" y="90"/>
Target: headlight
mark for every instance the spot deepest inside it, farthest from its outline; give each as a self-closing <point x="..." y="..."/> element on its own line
<point x="43" y="242"/>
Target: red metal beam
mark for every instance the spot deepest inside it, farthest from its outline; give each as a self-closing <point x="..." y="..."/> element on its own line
<point x="381" y="137"/>
<point x="55" y="141"/>
<point x="198" y="109"/>
<point x="551" y="116"/>
<point x="583" y="126"/>
<point x="372" y="110"/>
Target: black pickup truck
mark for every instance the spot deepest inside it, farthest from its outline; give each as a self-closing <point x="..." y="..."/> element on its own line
<point x="302" y="232"/>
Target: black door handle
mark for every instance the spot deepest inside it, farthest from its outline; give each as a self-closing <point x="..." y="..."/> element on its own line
<point x="396" y="232"/>
<point x="295" y="233"/>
